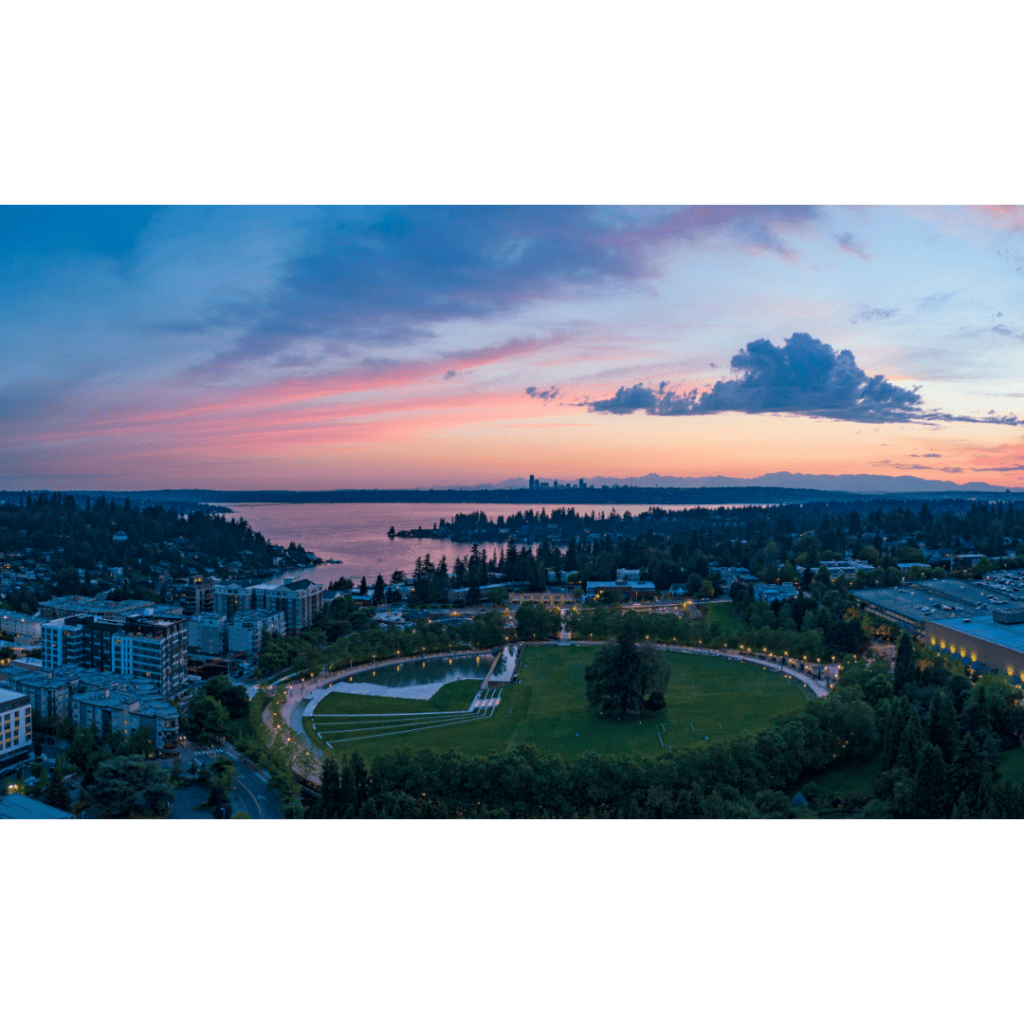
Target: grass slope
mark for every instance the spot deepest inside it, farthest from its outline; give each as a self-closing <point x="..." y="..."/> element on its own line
<point x="455" y="696"/>
<point x="548" y="708"/>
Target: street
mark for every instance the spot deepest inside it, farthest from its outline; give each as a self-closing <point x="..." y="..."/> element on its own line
<point x="250" y="792"/>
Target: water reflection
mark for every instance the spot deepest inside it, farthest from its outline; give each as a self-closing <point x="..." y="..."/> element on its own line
<point x="436" y="671"/>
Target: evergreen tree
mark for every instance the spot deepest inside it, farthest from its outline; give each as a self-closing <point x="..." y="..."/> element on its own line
<point x="930" y="784"/>
<point x="378" y="590"/>
<point x="349" y="792"/>
<point x="361" y="778"/>
<point x="624" y="677"/>
<point x="970" y="776"/>
<point x="363" y="588"/>
<point x="329" y="803"/>
<point x="908" y="756"/>
<point x="903" y="672"/>
<point x="943" y="729"/>
<point x="898" y="713"/>
<point x="57" y="794"/>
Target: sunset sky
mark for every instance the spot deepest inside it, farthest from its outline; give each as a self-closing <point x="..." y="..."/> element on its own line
<point x="301" y="347"/>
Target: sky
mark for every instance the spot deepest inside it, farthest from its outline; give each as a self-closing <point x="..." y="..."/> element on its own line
<point x="329" y="347"/>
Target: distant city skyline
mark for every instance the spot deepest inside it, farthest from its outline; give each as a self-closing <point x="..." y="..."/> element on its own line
<point x="350" y="347"/>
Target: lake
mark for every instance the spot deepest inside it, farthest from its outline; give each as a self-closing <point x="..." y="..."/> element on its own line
<point x="356" y="533"/>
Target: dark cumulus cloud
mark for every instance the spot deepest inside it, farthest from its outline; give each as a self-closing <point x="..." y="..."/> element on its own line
<point x="547" y="395"/>
<point x="391" y="275"/>
<point x="803" y="377"/>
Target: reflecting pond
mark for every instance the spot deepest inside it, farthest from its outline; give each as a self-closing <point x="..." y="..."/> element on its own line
<point x="436" y="671"/>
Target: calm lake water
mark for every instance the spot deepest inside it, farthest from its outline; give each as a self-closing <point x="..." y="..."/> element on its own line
<point x="357" y="533"/>
<point x="436" y="670"/>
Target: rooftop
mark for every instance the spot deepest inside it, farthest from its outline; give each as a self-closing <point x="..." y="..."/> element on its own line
<point x="1010" y="637"/>
<point x="15" y="805"/>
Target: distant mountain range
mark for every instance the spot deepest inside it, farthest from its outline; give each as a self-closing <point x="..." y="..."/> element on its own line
<point x="854" y="483"/>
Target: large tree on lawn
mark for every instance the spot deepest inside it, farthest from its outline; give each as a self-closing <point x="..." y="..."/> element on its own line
<point x="627" y="678"/>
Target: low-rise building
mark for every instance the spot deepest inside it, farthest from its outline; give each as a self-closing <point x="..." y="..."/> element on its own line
<point x="18" y="807"/>
<point x="548" y="598"/>
<point x="49" y="693"/>
<point x="15" y="728"/>
<point x="108" y="703"/>
<point x="629" y="591"/>
<point x="769" y="592"/>
<point x="19" y="625"/>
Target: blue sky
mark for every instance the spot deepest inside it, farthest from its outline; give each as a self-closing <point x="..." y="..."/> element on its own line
<point x="357" y="346"/>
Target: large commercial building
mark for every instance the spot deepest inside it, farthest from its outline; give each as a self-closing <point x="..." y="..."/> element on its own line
<point x="984" y="644"/>
<point x="15" y="728"/>
<point x="914" y="605"/>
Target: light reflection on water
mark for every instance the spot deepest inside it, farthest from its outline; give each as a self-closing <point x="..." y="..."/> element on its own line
<point x="416" y="673"/>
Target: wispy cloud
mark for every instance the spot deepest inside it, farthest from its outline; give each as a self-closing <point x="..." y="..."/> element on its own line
<point x="875" y="314"/>
<point x="547" y="395"/>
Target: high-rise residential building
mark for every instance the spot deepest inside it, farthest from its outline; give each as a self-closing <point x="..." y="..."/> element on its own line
<point x="533" y="483"/>
<point x="245" y="632"/>
<point x="76" y="604"/>
<point x="300" y="600"/>
<point x="145" y="646"/>
<point x="231" y="599"/>
<point x="195" y="593"/>
<point x="61" y="644"/>
<point x="15" y="728"/>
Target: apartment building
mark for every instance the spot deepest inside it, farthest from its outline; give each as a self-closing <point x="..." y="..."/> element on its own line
<point x="245" y="632"/>
<point x="300" y="600"/>
<point x="15" y="728"/>
<point x="208" y="633"/>
<point x="146" y="646"/>
<point x="61" y="644"/>
<point x="49" y="693"/>
<point x="109" y="704"/>
<point x="231" y="599"/>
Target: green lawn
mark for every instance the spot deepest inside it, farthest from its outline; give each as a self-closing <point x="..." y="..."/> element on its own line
<point x="848" y="778"/>
<point x="1011" y="765"/>
<point x="456" y="696"/>
<point x="709" y="697"/>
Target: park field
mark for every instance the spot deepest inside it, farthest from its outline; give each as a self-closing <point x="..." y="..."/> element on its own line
<point x="708" y="700"/>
